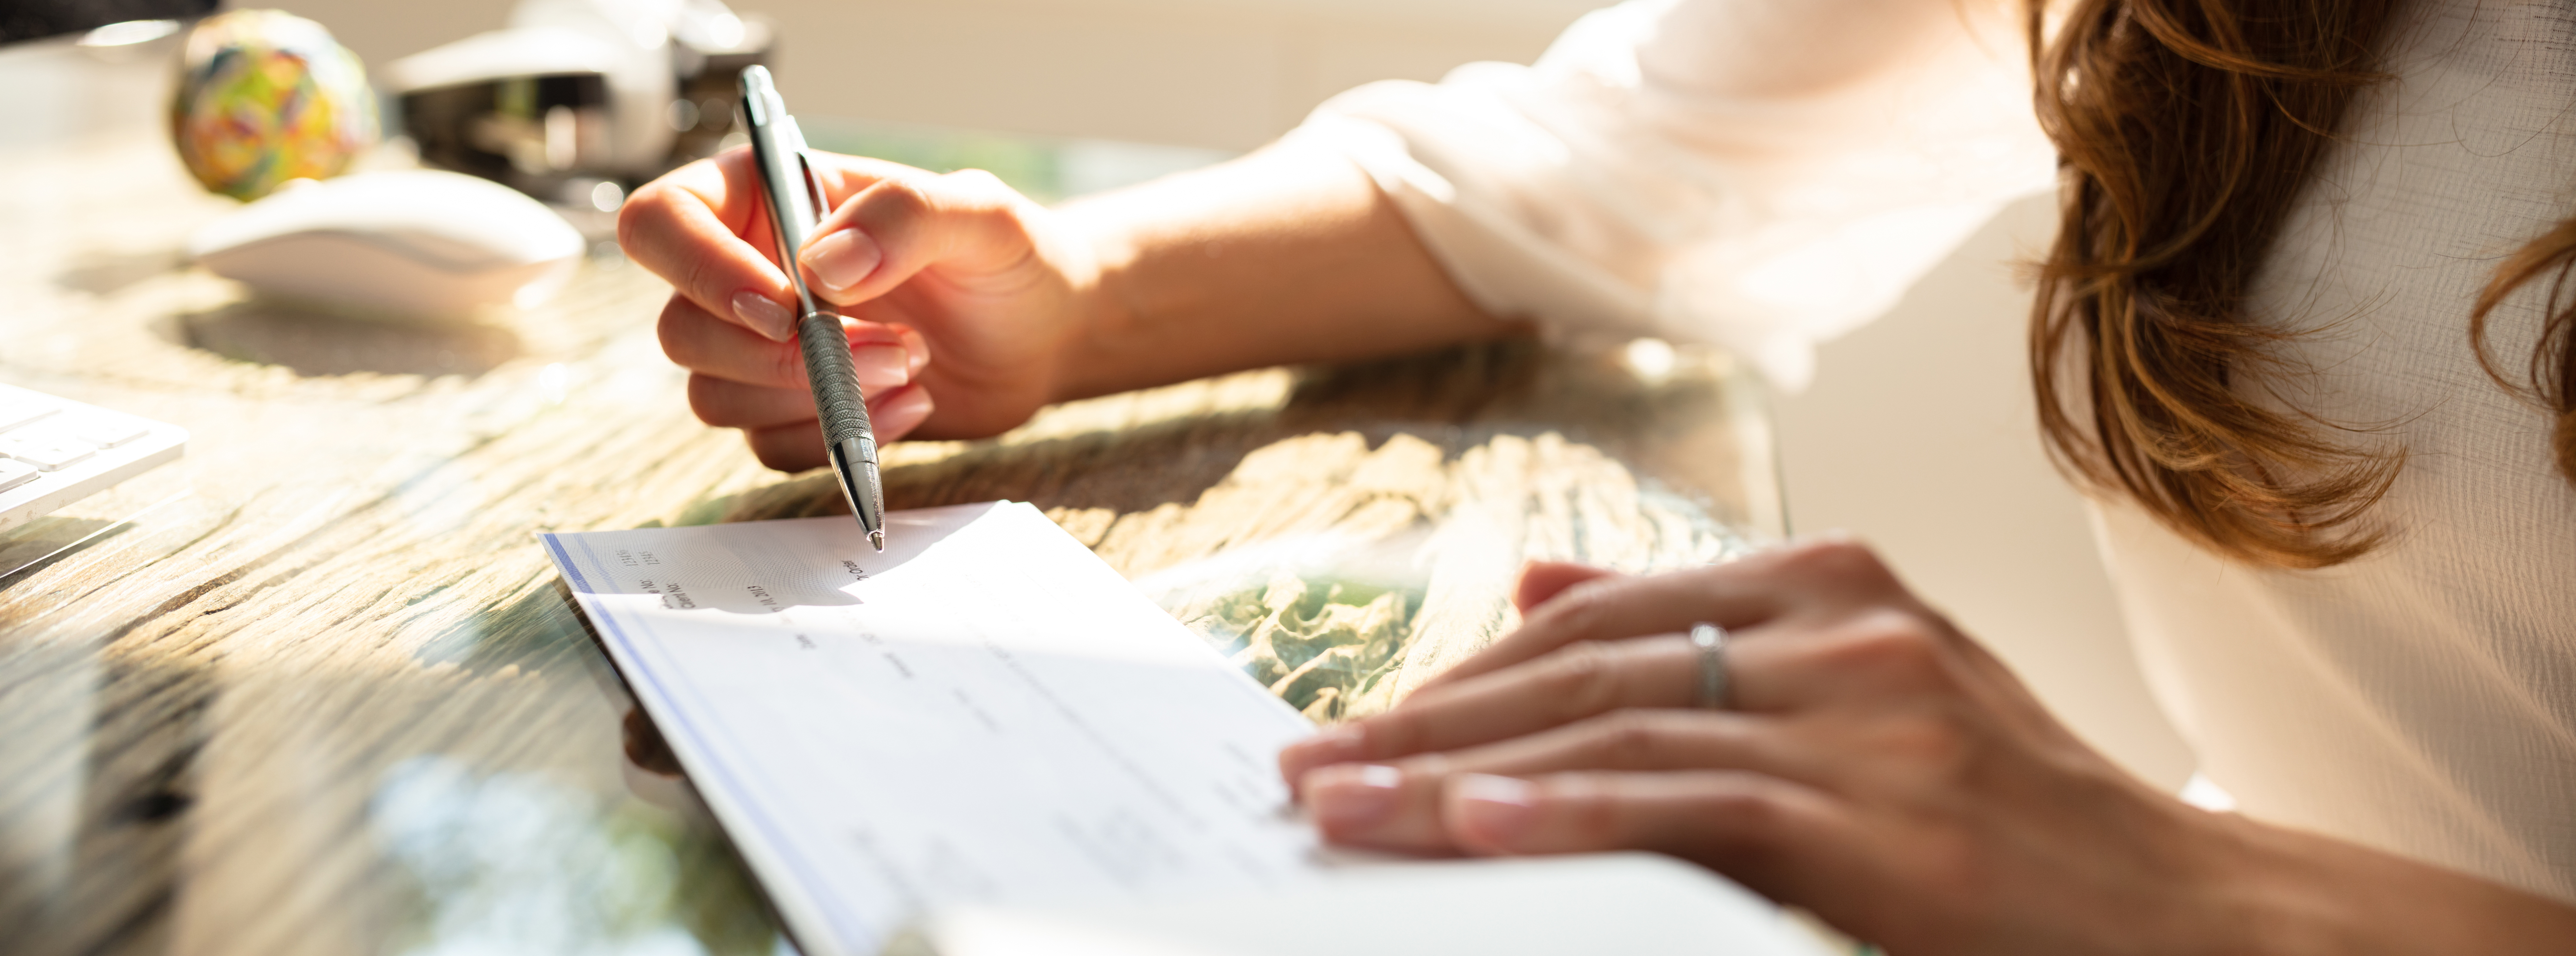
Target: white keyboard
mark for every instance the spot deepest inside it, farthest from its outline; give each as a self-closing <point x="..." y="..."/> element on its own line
<point x="55" y="451"/>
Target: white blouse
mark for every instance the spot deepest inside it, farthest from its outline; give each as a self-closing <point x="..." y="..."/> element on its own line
<point x="1767" y="174"/>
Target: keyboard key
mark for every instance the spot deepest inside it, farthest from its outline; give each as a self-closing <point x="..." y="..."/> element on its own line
<point x="47" y="454"/>
<point x="104" y="431"/>
<point x="18" y="410"/>
<point x="60" y="451"/>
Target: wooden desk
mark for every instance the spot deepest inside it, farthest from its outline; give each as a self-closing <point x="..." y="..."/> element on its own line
<point x="315" y="689"/>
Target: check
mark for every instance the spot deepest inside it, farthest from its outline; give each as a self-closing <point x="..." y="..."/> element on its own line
<point x="985" y="713"/>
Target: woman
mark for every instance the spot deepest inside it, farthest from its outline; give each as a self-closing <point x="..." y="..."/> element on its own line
<point x="2300" y="337"/>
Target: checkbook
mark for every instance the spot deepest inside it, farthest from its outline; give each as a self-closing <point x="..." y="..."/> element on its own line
<point x="985" y="741"/>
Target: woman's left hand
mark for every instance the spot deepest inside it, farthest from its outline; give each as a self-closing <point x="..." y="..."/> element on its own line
<point x="1874" y="765"/>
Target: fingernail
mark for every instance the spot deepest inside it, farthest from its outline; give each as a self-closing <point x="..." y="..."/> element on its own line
<point x="902" y="412"/>
<point x="881" y="366"/>
<point x="1495" y="810"/>
<point x="842" y="259"/>
<point x="1353" y="800"/>
<point x="1340" y="744"/>
<point x="764" y="315"/>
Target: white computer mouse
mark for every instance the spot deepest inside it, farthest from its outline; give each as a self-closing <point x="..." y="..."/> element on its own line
<point x="412" y="242"/>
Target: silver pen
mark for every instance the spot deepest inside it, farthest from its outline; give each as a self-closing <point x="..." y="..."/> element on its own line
<point x="796" y="204"/>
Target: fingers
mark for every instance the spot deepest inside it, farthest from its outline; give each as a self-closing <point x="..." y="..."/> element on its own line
<point x="897" y="227"/>
<point x="1593" y="682"/>
<point x="1882" y="655"/>
<point x="1613" y="607"/>
<point x="1399" y="804"/>
<point x="703" y="229"/>
<point x="1542" y="580"/>
<point x="789" y="448"/>
<point x="729" y="404"/>
<point x="645" y="747"/>
<point x="1572" y="684"/>
<point x="1819" y="577"/>
<point x="1755" y="828"/>
<point x="743" y="381"/>
<point x="799" y="446"/>
<point x="884" y="356"/>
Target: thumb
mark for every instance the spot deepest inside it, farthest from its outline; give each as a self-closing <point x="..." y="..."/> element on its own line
<point x="894" y="229"/>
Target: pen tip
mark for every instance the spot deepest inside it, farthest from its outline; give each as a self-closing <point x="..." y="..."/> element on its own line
<point x="877" y="538"/>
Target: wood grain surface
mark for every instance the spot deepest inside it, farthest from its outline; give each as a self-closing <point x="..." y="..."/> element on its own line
<point x="315" y="689"/>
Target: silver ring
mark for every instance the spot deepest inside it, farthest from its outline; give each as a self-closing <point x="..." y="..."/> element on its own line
<point x="1713" y="687"/>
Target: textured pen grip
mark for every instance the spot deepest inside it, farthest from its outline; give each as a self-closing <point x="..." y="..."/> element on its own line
<point x="836" y="383"/>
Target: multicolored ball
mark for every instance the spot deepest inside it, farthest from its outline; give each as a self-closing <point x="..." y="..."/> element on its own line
<point x="265" y="97"/>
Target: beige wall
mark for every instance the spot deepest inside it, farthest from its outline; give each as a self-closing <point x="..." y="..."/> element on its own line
<point x="1227" y="74"/>
<point x="1919" y="435"/>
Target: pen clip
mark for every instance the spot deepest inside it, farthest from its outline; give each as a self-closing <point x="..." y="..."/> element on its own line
<point x="791" y="141"/>
<point x="815" y="198"/>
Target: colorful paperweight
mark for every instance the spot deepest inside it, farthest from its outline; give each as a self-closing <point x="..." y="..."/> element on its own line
<point x="266" y="97"/>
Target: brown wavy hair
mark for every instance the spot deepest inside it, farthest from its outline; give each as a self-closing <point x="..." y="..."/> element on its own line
<point x="2185" y="130"/>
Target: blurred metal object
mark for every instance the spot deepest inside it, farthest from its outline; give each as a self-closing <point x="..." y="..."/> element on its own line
<point x="1716" y="690"/>
<point x="37" y="19"/>
<point x="710" y="84"/>
<point x="579" y="93"/>
<point x="127" y="40"/>
<point x="129" y="33"/>
<point x="534" y="133"/>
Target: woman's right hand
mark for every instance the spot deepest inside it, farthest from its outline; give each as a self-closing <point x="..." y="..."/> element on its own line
<point x="958" y="292"/>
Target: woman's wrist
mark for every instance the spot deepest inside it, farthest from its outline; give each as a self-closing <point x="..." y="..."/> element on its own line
<point x="1289" y="254"/>
<point x="1096" y="253"/>
<point x="2299" y="894"/>
<point x="2174" y="880"/>
<point x="2251" y="891"/>
<point x="2264" y="888"/>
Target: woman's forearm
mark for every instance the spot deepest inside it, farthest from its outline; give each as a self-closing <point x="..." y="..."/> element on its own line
<point x="1290" y="254"/>
<point x="2305" y="894"/>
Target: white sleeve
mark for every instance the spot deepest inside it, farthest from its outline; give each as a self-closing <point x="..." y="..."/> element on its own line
<point x="1761" y="174"/>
